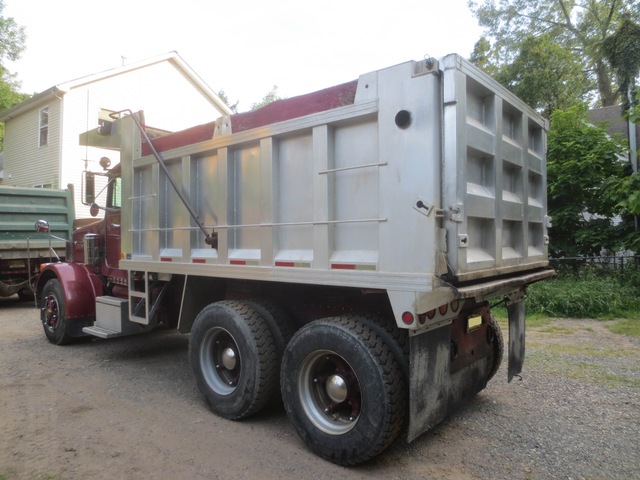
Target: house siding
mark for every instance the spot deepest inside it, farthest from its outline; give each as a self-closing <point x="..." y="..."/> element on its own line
<point x="26" y="163"/>
<point x="164" y="92"/>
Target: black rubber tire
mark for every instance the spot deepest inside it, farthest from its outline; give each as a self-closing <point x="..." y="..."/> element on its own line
<point x="25" y="295"/>
<point x="53" y="313"/>
<point x="397" y="338"/>
<point x="498" y="346"/>
<point x="343" y="390"/>
<point x="233" y="357"/>
<point x="280" y="323"/>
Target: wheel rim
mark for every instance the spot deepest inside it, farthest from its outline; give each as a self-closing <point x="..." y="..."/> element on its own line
<point x="51" y="313"/>
<point x="330" y="392"/>
<point x="220" y="361"/>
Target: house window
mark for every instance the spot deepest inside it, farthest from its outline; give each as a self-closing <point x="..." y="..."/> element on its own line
<point x="43" y="185"/>
<point x="44" y="126"/>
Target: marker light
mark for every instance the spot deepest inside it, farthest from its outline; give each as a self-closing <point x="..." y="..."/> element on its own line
<point x="407" y="318"/>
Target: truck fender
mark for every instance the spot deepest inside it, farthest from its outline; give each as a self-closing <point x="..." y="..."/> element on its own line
<point x="80" y="288"/>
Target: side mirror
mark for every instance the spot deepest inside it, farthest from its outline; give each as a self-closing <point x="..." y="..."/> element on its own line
<point x="89" y="188"/>
<point x="42" y="226"/>
<point x="94" y="209"/>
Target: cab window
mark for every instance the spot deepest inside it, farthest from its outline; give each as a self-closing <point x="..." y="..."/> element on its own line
<point x="115" y="195"/>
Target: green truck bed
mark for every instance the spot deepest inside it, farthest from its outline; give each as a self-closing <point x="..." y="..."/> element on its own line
<point x="20" y="208"/>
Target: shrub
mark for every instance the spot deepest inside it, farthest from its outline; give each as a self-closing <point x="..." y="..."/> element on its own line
<point x="588" y="294"/>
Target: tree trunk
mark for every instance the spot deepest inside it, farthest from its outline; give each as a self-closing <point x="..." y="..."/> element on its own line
<point x="608" y="97"/>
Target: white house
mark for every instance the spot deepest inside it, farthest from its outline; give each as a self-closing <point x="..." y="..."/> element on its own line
<point x="41" y="145"/>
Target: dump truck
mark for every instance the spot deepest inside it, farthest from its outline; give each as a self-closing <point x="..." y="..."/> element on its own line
<point x="339" y="251"/>
<point x="23" y="249"/>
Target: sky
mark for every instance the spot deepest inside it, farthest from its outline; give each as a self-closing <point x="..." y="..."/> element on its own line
<point x="244" y="47"/>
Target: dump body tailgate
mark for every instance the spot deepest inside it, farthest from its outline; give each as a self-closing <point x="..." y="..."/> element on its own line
<point x="494" y="177"/>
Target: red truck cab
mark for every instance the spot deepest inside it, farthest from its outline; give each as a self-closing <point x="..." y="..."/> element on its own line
<point x="66" y="291"/>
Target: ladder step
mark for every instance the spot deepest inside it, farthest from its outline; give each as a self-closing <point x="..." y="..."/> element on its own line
<point x="137" y="319"/>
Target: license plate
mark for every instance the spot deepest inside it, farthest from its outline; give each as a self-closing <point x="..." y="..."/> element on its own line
<point x="17" y="264"/>
<point x="474" y="323"/>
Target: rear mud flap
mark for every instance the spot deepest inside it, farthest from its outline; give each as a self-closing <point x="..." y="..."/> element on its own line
<point x="516" y="337"/>
<point x="435" y="391"/>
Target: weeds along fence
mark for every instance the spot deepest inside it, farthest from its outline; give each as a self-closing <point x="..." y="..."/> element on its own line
<point x="622" y="267"/>
<point x="589" y="287"/>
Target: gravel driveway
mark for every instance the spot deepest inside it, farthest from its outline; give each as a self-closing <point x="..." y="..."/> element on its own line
<point x="128" y="408"/>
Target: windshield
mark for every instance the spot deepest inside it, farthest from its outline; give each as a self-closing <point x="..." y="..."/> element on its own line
<point x="115" y="193"/>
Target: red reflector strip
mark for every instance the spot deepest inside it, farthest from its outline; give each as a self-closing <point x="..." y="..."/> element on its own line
<point x="343" y="266"/>
<point x="285" y="264"/>
<point x="281" y="263"/>
<point x="352" y="266"/>
<point x="166" y="259"/>
<point x="199" y="260"/>
<point x="252" y="263"/>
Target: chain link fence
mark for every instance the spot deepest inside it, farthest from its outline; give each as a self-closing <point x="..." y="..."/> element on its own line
<point x="622" y="266"/>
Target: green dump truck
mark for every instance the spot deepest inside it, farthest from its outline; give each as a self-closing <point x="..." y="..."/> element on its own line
<point x="22" y="248"/>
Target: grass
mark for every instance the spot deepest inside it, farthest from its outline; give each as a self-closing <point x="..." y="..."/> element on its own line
<point x="585" y="296"/>
<point x="627" y="326"/>
<point x="562" y="362"/>
<point x="11" y="474"/>
<point x="591" y="350"/>
<point x="588" y="294"/>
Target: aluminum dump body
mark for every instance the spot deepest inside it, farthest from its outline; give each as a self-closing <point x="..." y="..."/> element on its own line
<point x="299" y="242"/>
<point x="420" y="180"/>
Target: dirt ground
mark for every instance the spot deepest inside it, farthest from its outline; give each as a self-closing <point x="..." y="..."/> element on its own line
<point x="129" y="408"/>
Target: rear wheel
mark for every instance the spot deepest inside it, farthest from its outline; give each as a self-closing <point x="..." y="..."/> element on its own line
<point x="280" y="323"/>
<point x="25" y="295"/>
<point x="53" y="313"/>
<point x="233" y="357"/>
<point x="343" y="390"/>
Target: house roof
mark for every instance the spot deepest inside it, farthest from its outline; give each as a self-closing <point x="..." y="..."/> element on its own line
<point x="615" y="124"/>
<point x="61" y="89"/>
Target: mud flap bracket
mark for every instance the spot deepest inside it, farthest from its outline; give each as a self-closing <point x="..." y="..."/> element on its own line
<point x="515" y="310"/>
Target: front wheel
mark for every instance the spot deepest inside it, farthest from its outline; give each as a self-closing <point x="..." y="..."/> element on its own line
<point x="53" y="313"/>
<point x="343" y="390"/>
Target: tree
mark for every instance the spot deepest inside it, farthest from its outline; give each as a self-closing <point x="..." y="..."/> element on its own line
<point x="223" y="96"/>
<point x="578" y="27"/>
<point x="622" y="49"/>
<point x="584" y="172"/>
<point x="12" y="44"/>
<point x="12" y="38"/>
<point x="9" y="96"/>
<point x="271" y="96"/>
<point x="544" y="75"/>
